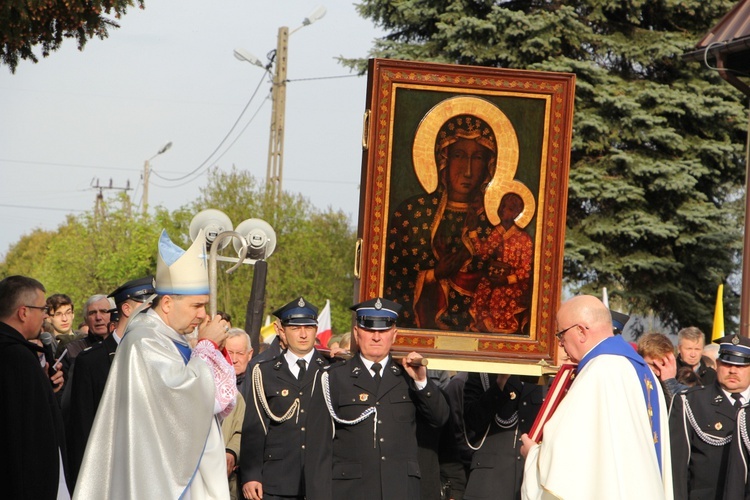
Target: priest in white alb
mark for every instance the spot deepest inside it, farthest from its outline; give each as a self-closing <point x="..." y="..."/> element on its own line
<point x="609" y="437"/>
<point x="157" y="430"/>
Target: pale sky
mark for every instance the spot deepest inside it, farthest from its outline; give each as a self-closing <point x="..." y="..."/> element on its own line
<point x="169" y="74"/>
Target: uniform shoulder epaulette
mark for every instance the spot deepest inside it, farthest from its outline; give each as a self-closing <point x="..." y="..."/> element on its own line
<point x="689" y="390"/>
<point x="335" y="363"/>
<point x="267" y="360"/>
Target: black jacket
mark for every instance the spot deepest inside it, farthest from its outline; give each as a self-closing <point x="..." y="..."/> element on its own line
<point x="379" y="462"/>
<point x="33" y="438"/>
<point x="501" y="416"/>
<point x="291" y="458"/>
<point x="698" y="467"/>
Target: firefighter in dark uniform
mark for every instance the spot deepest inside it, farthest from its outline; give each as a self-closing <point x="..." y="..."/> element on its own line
<point x="89" y="372"/>
<point x="736" y="481"/>
<point x="703" y="420"/>
<point x="374" y="401"/>
<point x="285" y="451"/>
<point x="497" y="410"/>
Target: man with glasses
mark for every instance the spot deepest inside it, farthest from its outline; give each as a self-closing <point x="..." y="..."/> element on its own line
<point x="32" y="439"/>
<point x="97" y="314"/>
<point x="91" y="369"/>
<point x="61" y="316"/>
<point x="612" y="424"/>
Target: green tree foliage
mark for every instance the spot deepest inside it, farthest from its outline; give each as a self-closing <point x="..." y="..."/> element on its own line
<point x="99" y="250"/>
<point x="26" y="24"/>
<point x="657" y="161"/>
<point x="89" y="254"/>
<point x="314" y="254"/>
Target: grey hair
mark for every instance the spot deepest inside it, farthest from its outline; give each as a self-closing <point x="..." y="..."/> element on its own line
<point x="238" y="332"/>
<point x="97" y="298"/>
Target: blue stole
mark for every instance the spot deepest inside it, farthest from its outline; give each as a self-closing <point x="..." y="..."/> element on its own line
<point x="617" y="346"/>
<point x="185" y="351"/>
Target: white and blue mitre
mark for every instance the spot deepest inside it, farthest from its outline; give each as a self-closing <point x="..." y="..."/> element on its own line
<point x="376" y="314"/>
<point x="182" y="272"/>
<point x="734" y="350"/>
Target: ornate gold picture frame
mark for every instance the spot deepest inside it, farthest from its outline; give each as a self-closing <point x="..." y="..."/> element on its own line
<point x="462" y="211"/>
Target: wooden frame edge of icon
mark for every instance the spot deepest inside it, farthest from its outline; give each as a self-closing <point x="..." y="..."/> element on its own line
<point x="461" y="348"/>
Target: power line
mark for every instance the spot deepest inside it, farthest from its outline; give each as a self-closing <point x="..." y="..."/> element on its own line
<point x="71" y="165"/>
<point x="189" y="174"/>
<point x="43" y="208"/>
<point x="225" y="151"/>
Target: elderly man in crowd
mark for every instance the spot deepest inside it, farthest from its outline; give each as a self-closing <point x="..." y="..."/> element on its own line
<point x="97" y="316"/>
<point x="32" y="440"/>
<point x="240" y="351"/>
<point x="156" y="434"/>
<point x="374" y="401"/>
<point x="608" y="437"/>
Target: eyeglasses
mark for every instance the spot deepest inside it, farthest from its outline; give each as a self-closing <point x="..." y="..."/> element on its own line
<point x="560" y="334"/>
<point x="45" y="309"/>
<point x="60" y="314"/>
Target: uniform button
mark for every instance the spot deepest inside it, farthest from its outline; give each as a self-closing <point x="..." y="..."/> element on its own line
<point x="518" y="457"/>
<point x="382" y="458"/>
<point x="302" y="411"/>
<point x="429" y="394"/>
<point x="380" y="421"/>
<point x="524" y="403"/>
<point x="523" y="420"/>
<point x="300" y="393"/>
<point x="303" y="446"/>
<point x="377" y="403"/>
<point x="403" y="397"/>
<point x="302" y="429"/>
<point x="382" y="440"/>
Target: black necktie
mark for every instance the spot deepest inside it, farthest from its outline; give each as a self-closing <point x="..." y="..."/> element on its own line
<point x="376" y="368"/>
<point x="302" y="365"/>
<point x="736" y="396"/>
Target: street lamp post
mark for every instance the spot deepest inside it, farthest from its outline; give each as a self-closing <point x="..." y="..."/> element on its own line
<point x="275" y="166"/>
<point x="147" y="174"/>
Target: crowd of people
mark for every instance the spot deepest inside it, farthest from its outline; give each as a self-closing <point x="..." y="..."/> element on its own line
<point x="159" y="400"/>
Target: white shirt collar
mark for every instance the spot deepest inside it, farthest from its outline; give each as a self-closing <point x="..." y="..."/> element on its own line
<point x="744" y="399"/>
<point x="291" y="361"/>
<point x="368" y="364"/>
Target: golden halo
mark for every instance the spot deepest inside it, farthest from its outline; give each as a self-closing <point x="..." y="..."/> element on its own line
<point x="423" y="152"/>
<point x="499" y="188"/>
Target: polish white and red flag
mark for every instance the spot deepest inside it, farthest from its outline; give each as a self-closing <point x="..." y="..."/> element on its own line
<point x="324" y="327"/>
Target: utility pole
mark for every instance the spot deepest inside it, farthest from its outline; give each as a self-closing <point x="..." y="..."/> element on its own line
<point x="99" y="203"/>
<point x="147" y="174"/>
<point x="275" y="167"/>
